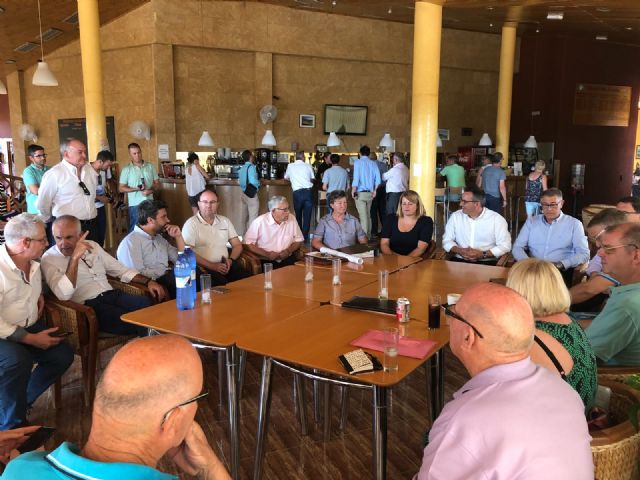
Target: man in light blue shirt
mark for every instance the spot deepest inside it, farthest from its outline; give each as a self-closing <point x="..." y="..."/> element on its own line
<point x="366" y="178"/>
<point x="32" y="175"/>
<point x="336" y="177"/>
<point x="248" y="174"/>
<point x="553" y="236"/>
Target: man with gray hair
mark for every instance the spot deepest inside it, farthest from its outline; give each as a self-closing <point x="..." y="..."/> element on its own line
<point x="69" y="188"/>
<point x="24" y="340"/>
<point x="513" y="419"/>
<point x="144" y="410"/>
<point x="274" y="236"/>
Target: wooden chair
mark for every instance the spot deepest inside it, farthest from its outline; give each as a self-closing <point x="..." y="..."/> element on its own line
<point x="87" y="341"/>
<point x="252" y="263"/>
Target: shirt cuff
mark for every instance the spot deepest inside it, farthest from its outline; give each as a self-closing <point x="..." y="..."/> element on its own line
<point x="17" y="335"/>
<point x="127" y="276"/>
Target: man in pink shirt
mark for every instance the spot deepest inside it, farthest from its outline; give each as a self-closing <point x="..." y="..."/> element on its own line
<point x="274" y="236"/>
<point x="513" y="419"/>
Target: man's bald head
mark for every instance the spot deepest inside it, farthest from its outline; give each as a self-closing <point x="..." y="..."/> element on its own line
<point x="502" y="316"/>
<point x="145" y="379"/>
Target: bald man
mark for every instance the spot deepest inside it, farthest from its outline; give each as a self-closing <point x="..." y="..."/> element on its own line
<point x="513" y="419"/>
<point x="144" y="409"/>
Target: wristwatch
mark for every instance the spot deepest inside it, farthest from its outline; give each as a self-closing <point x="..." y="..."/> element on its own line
<point x="559" y="266"/>
<point x="484" y="254"/>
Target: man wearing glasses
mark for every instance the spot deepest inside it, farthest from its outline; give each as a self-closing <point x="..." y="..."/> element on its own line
<point x="144" y="410"/>
<point x="474" y="233"/>
<point x="615" y="332"/>
<point x="631" y="207"/>
<point x="274" y="237"/>
<point x="513" y="419"/>
<point x="69" y="188"/>
<point x="32" y="175"/>
<point x="553" y="236"/>
<point x="208" y="234"/>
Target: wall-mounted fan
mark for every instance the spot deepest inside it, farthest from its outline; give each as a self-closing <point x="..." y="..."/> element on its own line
<point x="268" y="113"/>
<point x="139" y="129"/>
<point x="28" y="133"/>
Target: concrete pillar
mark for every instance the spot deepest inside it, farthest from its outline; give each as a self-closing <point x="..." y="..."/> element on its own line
<point x="505" y="87"/>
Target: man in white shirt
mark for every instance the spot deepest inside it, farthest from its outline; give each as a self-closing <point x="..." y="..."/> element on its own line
<point x="76" y="269"/>
<point x="397" y="179"/>
<point x="102" y="167"/>
<point x="208" y="233"/>
<point x="24" y="340"/>
<point x="301" y="176"/>
<point x="69" y="188"/>
<point x="474" y="233"/>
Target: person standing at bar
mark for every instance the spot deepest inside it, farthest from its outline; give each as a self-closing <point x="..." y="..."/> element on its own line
<point x="301" y="176"/>
<point x="493" y="184"/>
<point x="397" y="182"/>
<point x="102" y="167"/>
<point x="378" y="204"/>
<point x="248" y="177"/>
<point x="366" y="178"/>
<point x="138" y="180"/>
<point x="32" y="175"/>
<point x="196" y="180"/>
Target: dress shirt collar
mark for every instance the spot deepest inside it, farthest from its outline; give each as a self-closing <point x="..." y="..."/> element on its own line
<point x="201" y="219"/>
<point x="72" y="168"/>
<point x="482" y="215"/>
<point x="272" y="221"/>
<point x="6" y="258"/>
<point x="143" y="233"/>
<point x="503" y="373"/>
<point x="555" y="220"/>
<point x="364" y="157"/>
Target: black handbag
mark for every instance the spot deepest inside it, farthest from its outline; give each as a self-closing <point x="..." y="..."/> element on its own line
<point x="250" y="190"/>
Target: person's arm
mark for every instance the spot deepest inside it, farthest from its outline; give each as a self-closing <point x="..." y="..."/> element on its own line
<point x="503" y="192"/>
<point x="544" y="182"/>
<point x="424" y="237"/>
<point x="479" y="179"/>
<point x="584" y="291"/>
<point x="156" y="290"/>
<point x="201" y="170"/>
<point x="449" y="237"/>
<point x="385" y="248"/>
<point x="82" y="247"/>
<point x="129" y="253"/>
<point x="317" y="242"/>
<point x="290" y="250"/>
<point x="236" y="248"/>
<point x="580" y="246"/>
<point x="503" y="238"/>
<point x="29" y="180"/>
<point x="12" y="439"/>
<point x="377" y="182"/>
<point x="264" y="254"/>
<point x="419" y="250"/>
<point x="355" y="183"/>
<point x="522" y="242"/>
<point x="46" y="194"/>
<point x="123" y="185"/>
<point x="611" y="331"/>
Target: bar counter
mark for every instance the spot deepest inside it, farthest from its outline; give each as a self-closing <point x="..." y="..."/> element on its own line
<point x="173" y="192"/>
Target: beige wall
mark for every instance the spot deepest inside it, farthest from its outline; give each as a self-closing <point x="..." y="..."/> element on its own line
<point x="192" y="65"/>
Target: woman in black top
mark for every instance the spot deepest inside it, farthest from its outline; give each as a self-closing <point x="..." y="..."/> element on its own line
<point x="410" y="230"/>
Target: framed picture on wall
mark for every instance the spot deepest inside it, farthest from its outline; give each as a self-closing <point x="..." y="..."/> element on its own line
<point x="307" y="121"/>
<point x="637" y="151"/>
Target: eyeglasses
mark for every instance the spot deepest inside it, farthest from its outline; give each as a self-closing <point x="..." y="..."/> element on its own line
<point x="44" y="155"/>
<point x="283" y="209"/>
<point x="84" y="188"/>
<point x="186" y="402"/>
<point x="463" y="202"/>
<point x="549" y="205"/>
<point x="41" y="240"/>
<point x="608" y="249"/>
<point x="212" y="202"/>
<point x="451" y="313"/>
<point x="593" y="239"/>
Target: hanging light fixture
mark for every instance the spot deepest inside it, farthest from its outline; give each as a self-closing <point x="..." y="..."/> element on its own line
<point x="386" y="141"/>
<point x="205" y="140"/>
<point x="485" y="140"/>
<point x="3" y="88"/>
<point x="333" y="140"/>
<point x="531" y="142"/>
<point x="438" y="141"/>
<point x="43" y="77"/>
<point x="269" y="140"/>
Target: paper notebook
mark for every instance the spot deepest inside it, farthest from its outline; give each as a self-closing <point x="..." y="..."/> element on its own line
<point x="407" y="347"/>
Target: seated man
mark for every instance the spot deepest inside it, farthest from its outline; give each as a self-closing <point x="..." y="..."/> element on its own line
<point x="274" y="237"/>
<point x="144" y="410"/>
<point x="338" y="229"/>
<point x="630" y="206"/>
<point x="474" y="233"/>
<point x="513" y="419"/>
<point x="615" y="332"/>
<point x="590" y="295"/>
<point x="76" y="269"/>
<point x="208" y="234"/>
<point x="24" y="340"/>
<point x="147" y="251"/>
<point x="553" y="236"/>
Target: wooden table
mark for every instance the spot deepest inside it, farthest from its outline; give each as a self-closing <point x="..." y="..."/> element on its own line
<point x="373" y="265"/>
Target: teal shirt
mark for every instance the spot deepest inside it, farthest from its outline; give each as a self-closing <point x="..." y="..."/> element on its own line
<point x="32" y="175"/>
<point x="615" y="332"/>
<point x="454" y="174"/>
<point x="131" y="175"/>
<point x="65" y="462"/>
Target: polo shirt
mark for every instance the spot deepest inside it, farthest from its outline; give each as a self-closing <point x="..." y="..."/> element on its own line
<point x="209" y="241"/>
<point x="491" y="177"/>
<point x="131" y="175"/>
<point x="339" y="235"/>
<point x="454" y="174"/>
<point x="32" y="175"/>
<point x="336" y="178"/>
<point x="148" y="254"/>
<point x="66" y="462"/>
<point x="265" y="233"/>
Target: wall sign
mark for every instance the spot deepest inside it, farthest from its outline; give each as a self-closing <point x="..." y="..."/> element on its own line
<point x="602" y="105"/>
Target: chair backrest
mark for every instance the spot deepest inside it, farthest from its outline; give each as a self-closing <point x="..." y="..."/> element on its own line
<point x="440" y="192"/>
<point x="456" y="190"/>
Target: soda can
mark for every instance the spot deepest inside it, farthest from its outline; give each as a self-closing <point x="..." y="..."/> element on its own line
<point x="403" y="308"/>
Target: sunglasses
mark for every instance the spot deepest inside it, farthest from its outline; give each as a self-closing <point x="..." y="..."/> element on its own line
<point x="186" y="402"/>
<point x="84" y="188"/>
<point x="451" y="313"/>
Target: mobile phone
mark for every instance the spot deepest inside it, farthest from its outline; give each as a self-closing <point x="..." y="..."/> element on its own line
<point x="36" y="439"/>
<point x="223" y="259"/>
<point x="221" y="290"/>
<point x="60" y="333"/>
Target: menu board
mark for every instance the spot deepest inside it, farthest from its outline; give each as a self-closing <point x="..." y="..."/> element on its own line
<point x="602" y="105"/>
<point x="77" y="128"/>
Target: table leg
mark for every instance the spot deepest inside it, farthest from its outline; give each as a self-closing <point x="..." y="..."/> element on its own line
<point x="436" y="380"/>
<point x="263" y="416"/>
<point x="326" y="416"/>
<point x="380" y="432"/>
<point x="241" y="369"/>
<point x="234" y="420"/>
<point x="221" y="365"/>
<point x="316" y="399"/>
<point x="344" y="410"/>
<point x="298" y="385"/>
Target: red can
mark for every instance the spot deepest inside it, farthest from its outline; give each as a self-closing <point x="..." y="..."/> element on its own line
<point x="403" y="309"/>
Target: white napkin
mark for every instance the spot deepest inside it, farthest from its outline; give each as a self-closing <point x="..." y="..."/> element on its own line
<point x="336" y="253"/>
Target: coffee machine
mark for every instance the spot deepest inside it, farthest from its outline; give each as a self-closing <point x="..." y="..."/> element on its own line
<point x="267" y="163"/>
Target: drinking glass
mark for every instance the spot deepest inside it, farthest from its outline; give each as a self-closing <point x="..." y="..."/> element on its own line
<point x="336" y="265"/>
<point x="434" y="311"/>
<point x="391" y="340"/>
<point x="268" y="268"/>
<point x="205" y="288"/>
<point x="308" y="269"/>
<point x="383" y="284"/>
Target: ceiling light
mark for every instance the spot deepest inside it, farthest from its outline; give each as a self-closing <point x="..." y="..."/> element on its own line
<point x="205" y="140"/>
<point x="386" y="141"/>
<point x="438" y="140"/>
<point x="43" y="77"/>
<point x="489" y="8"/>
<point x="491" y="24"/>
<point x="628" y="28"/>
<point x="269" y="140"/>
<point x="3" y="88"/>
<point x="389" y="11"/>
<point x="537" y="30"/>
<point x="485" y="140"/>
<point x="333" y="140"/>
<point x="555" y="15"/>
<point x="334" y="3"/>
<point x="531" y="142"/>
<point x="602" y="37"/>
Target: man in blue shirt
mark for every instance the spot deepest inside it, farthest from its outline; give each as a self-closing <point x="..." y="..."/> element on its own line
<point x="366" y="178"/>
<point x="144" y="410"/>
<point x="32" y="175"/>
<point x="553" y="236"/>
<point x="248" y="175"/>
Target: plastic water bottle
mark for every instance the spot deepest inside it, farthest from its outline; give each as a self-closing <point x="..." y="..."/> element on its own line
<point x="182" y="271"/>
<point x="191" y="255"/>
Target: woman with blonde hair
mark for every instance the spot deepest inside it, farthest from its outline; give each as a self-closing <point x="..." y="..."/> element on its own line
<point x="409" y="231"/>
<point x="536" y="184"/>
<point x="560" y="343"/>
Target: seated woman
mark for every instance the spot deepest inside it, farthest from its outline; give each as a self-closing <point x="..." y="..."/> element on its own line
<point x="338" y="229"/>
<point x="410" y="230"/>
<point x="560" y="344"/>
